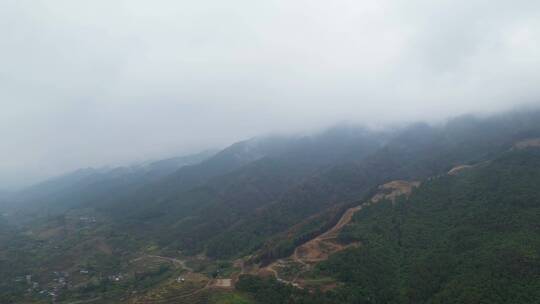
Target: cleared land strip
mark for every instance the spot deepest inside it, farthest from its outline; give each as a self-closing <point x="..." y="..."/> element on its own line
<point x="322" y="246"/>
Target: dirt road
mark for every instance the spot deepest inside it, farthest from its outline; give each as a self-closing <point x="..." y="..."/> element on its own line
<point x="322" y="246"/>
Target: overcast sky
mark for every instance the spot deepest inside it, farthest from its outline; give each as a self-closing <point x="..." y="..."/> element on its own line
<point x="104" y="82"/>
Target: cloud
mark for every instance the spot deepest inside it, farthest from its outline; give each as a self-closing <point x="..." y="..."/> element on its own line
<point x="89" y="83"/>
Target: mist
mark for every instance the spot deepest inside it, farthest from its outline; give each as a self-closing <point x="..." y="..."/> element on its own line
<point x="95" y="83"/>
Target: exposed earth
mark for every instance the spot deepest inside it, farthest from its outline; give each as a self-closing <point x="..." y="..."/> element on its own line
<point x="321" y="247"/>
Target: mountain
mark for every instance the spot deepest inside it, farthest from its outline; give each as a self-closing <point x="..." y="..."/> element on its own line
<point x="466" y="237"/>
<point x="194" y="215"/>
<point x="417" y="152"/>
<point x="348" y="215"/>
<point x="78" y="188"/>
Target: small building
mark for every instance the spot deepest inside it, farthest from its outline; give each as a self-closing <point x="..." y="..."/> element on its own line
<point x="116" y="277"/>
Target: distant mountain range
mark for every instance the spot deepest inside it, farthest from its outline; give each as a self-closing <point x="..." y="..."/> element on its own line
<point x="258" y="200"/>
<point x="76" y="188"/>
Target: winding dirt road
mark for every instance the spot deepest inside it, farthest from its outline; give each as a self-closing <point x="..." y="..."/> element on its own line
<point x="322" y="246"/>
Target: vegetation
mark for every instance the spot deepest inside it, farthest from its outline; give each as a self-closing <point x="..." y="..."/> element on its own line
<point x="469" y="237"/>
<point x="230" y="298"/>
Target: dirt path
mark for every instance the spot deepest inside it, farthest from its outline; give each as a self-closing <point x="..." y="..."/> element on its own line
<point x="324" y="245"/>
<point x="321" y="247"/>
<point x="276" y="276"/>
<point x="313" y="251"/>
<point x="309" y="247"/>
<point x="297" y="259"/>
<point x="344" y="220"/>
<point x="458" y="169"/>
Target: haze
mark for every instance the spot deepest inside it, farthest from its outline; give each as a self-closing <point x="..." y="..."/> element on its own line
<point x="93" y="83"/>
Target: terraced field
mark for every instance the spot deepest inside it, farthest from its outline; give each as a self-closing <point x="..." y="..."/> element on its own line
<point x="194" y="290"/>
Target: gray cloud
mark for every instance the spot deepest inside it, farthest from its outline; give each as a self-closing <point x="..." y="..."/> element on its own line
<point x="89" y="83"/>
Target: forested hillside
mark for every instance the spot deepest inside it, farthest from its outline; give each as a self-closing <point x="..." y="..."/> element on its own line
<point x="84" y="187"/>
<point x="466" y="238"/>
<point x="416" y="152"/>
<point x="226" y="218"/>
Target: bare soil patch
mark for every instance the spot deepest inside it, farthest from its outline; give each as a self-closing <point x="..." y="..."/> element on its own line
<point x="222" y="283"/>
<point x="394" y="189"/>
<point x="321" y="247"/>
<point x="326" y="244"/>
<point x="528" y="143"/>
<point x="458" y="169"/>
